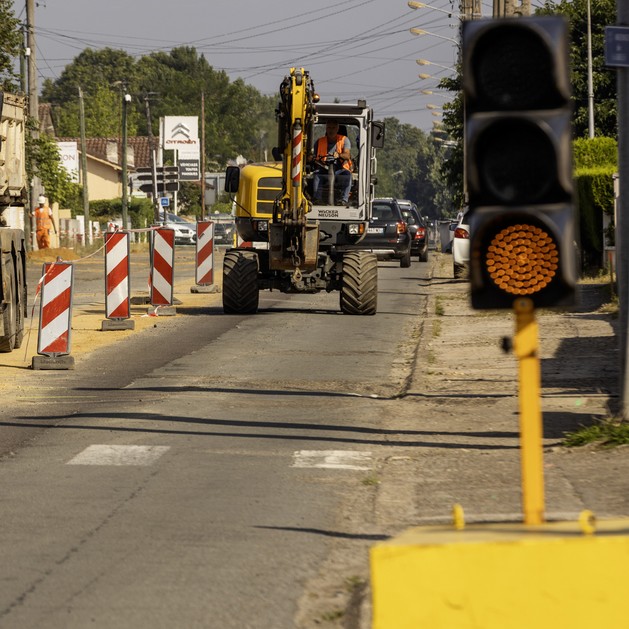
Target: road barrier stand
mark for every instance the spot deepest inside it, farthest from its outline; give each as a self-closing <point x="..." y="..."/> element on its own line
<point x="204" y="273"/>
<point x="55" y="317"/>
<point x="117" y="288"/>
<point x="162" y="272"/>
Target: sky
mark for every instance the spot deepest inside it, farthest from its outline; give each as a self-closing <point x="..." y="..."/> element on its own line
<point x="352" y="48"/>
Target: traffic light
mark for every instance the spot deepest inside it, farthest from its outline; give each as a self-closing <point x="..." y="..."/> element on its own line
<point x="518" y="161"/>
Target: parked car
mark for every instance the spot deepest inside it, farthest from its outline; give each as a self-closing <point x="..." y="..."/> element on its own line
<point x="461" y="247"/>
<point x="185" y="231"/>
<point x="224" y="233"/>
<point x="417" y="227"/>
<point x="387" y="234"/>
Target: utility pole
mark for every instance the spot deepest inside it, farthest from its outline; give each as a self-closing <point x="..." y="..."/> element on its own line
<point x="622" y="228"/>
<point x="86" y="198"/>
<point x="125" y="177"/>
<point x="202" y="155"/>
<point x="23" y="62"/>
<point x="590" y="78"/>
<point x="35" y="188"/>
<point x="153" y="159"/>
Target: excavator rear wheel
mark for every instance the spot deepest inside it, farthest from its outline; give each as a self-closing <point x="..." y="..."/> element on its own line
<point x="240" y="282"/>
<point x="359" y="285"/>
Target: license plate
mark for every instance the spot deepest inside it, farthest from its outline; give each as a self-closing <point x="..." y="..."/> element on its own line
<point x="375" y="230"/>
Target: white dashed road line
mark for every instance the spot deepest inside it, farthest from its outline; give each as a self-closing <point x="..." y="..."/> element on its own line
<point x="118" y="455"/>
<point x="332" y="459"/>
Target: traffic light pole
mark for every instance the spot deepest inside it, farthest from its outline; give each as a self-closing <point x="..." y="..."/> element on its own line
<point x="526" y="348"/>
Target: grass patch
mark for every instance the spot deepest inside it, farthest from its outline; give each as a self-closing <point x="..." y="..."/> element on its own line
<point x="333" y="615"/>
<point x="370" y="480"/>
<point x="436" y="328"/>
<point x="354" y="583"/>
<point x="607" y="433"/>
<point x="439" y="309"/>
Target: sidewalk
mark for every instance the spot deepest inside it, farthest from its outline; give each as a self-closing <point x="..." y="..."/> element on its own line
<point x="463" y="399"/>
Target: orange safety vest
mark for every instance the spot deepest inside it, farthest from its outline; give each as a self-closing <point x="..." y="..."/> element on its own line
<point x="322" y="149"/>
<point x="43" y="219"/>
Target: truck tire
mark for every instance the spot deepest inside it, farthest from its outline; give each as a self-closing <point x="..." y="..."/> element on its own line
<point x="359" y="284"/>
<point x="240" y="282"/>
<point x="9" y="314"/>
<point x="22" y="301"/>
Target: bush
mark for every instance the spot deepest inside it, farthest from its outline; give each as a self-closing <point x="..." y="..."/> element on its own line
<point x="595" y="161"/>
<point x="141" y="211"/>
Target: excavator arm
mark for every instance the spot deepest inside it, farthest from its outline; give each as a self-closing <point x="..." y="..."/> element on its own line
<point x="293" y="240"/>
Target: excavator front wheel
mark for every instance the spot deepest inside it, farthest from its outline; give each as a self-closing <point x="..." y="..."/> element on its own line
<point x="240" y="282"/>
<point x="359" y="285"/>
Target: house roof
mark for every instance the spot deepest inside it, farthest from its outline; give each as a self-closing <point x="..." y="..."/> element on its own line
<point x="109" y="150"/>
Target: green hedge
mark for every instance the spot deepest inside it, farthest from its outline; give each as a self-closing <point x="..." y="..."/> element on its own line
<point x="595" y="197"/>
<point x="595" y="152"/>
<point x="140" y="211"/>
<point x="595" y="162"/>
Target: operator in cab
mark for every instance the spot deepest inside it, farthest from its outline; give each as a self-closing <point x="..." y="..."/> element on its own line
<point x="333" y="151"/>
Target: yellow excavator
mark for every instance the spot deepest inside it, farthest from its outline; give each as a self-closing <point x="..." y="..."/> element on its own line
<point x="289" y="240"/>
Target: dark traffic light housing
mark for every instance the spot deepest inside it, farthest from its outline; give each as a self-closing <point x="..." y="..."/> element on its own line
<point x="518" y="161"/>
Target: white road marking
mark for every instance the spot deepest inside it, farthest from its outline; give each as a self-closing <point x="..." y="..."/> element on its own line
<point x="118" y="455"/>
<point x="332" y="459"/>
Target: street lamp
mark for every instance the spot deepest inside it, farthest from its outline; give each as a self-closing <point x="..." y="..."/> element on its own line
<point x="425" y="62"/>
<point x="423" y="5"/>
<point x="421" y="31"/>
<point x="429" y="106"/>
<point x="433" y="93"/>
<point x="425" y="76"/>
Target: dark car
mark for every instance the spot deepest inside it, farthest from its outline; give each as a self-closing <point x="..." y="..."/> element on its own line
<point x="417" y="227"/>
<point x="387" y="235"/>
<point x="224" y="233"/>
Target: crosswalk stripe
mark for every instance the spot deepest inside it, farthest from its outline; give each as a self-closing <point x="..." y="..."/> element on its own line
<point x="118" y="455"/>
<point x="333" y="459"/>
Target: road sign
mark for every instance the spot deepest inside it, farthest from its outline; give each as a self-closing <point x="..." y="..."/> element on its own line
<point x="164" y="201"/>
<point x="167" y="179"/>
<point x="617" y="46"/>
<point x="189" y="170"/>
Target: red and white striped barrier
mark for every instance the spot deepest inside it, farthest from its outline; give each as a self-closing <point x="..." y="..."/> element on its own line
<point x="162" y="266"/>
<point x="55" y="314"/>
<point x="204" y="274"/>
<point x="117" y="299"/>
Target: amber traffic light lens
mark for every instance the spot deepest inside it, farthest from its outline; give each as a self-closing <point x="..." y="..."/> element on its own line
<point x="522" y="259"/>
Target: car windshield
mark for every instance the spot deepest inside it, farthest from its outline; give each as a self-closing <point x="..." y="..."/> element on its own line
<point x="383" y="213"/>
<point x="173" y="218"/>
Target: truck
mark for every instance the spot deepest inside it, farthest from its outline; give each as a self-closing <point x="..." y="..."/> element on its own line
<point x="291" y="242"/>
<point x="13" y="200"/>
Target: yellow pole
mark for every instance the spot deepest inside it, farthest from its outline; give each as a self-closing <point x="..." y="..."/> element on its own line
<point x="526" y="349"/>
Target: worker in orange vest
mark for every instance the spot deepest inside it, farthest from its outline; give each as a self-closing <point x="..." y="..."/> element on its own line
<point x="43" y="223"/>
<point x="333" y="151"/>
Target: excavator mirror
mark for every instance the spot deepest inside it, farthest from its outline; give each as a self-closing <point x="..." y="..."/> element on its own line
<point x="277" y="154"/>
<point x="232" y="179"/>
<point x="377" y="134"/>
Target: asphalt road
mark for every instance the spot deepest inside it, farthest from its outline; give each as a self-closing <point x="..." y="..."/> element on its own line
<point x="196" y="475"/>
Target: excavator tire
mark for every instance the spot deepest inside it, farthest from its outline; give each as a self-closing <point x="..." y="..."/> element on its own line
<point x="240" y="282"/>
<point x="359" y="285"/>
<point x="9" y="315"/>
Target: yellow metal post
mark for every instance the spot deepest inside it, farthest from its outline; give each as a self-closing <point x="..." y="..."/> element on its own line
<point x="526" y="348"/>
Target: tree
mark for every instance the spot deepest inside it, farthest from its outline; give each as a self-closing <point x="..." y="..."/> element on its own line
<point x="43" y="153"/>
<point x="11" y="39"/>
<point x="603" y="13"/>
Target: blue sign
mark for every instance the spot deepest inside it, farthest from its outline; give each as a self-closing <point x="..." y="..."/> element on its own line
<point x="617" y="46"/>
<point x="164" y="201"/>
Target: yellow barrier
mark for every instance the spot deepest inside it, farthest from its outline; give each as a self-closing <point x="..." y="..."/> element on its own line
<point x="504" y="576"/>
